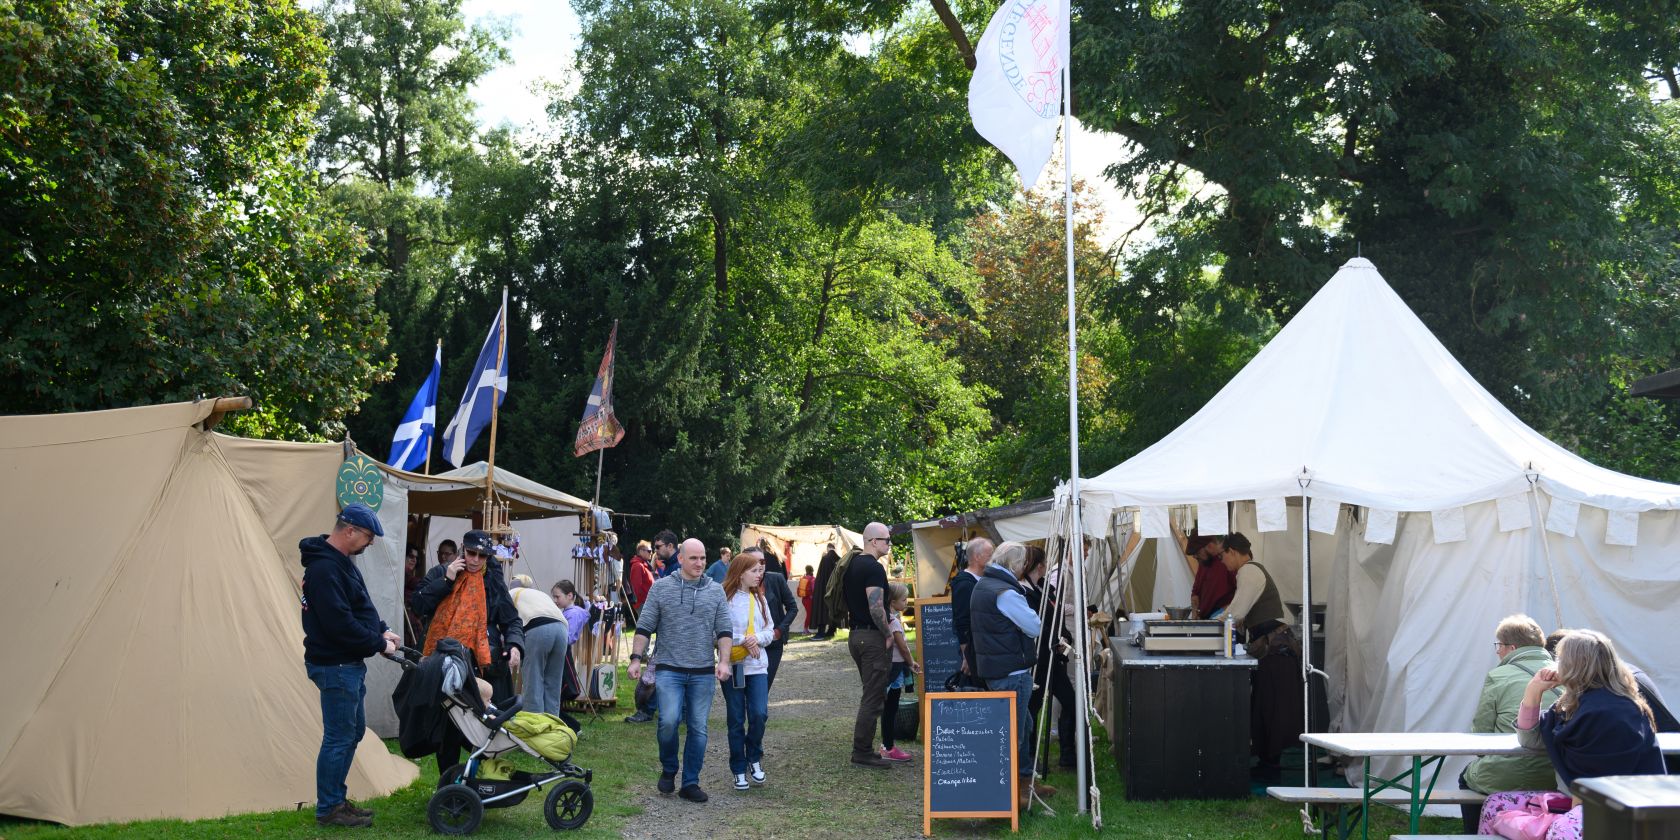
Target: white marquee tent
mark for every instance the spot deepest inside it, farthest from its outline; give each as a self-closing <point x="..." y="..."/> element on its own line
<point x="1432" y="510"/>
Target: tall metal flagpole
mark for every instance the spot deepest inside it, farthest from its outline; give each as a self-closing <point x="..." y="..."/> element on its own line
<point x="1076" y="545"/>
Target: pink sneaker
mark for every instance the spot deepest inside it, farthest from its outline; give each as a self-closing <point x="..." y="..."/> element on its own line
<point x="895" y="754"/>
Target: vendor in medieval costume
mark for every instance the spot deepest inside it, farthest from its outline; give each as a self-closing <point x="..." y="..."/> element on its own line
<point x="1257" y="609"/>
<point x="820" y="622"/>
<point x="468" y="601"/>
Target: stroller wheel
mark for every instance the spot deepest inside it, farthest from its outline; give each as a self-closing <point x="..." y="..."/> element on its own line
<point x="455" y="809"/>
<point x="569" y="805"/>
<point x="452" y="775"/>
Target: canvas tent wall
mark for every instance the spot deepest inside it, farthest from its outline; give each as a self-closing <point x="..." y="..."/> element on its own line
<point x="800" y="546"/>
<point x="1446" y="512"/>
<point x="934" y="541"/>
<point x="152" y="586"/>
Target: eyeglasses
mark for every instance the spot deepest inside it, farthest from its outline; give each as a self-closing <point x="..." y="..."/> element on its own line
<point x="471" y="553"/>
<point x="881" y="539"/>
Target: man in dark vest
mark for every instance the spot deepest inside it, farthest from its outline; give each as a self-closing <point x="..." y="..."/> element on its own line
<point x="1275" y="707"/>
<point x="1005" y="630"/>
<point x="979" y="553"/>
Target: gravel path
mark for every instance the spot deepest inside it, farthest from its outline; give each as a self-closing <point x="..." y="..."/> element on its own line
<point x="813" y="790"/>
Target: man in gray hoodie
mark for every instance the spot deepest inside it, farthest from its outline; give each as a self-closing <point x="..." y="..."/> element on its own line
<point x="689" y="614"/>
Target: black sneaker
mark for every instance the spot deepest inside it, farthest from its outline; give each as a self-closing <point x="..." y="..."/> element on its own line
<point x="638" y="717"/>
<point x="341" y="816"/>
<point x="870" y="760"/>
<point x="667" y="782"/>
<point x="693" y="793"/>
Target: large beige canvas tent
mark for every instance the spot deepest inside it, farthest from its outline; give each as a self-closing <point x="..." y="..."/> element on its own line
<point x="156" y="664"/>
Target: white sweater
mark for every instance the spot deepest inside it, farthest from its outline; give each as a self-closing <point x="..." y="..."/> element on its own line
<point x="741" y="608"/>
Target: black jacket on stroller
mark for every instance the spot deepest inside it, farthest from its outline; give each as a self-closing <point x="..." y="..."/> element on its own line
<point x="418" y="699"/>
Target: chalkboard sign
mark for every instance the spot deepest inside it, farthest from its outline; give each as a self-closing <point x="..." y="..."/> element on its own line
<point x="969" y="769"/>
<point x="936" y="642"/>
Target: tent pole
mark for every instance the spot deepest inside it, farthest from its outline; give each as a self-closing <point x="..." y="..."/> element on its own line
<point x="428" y="467"/>
<point x="1306" y="633"/>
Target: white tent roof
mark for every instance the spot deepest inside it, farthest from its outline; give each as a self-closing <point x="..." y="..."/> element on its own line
<point x="1358" y="392"/>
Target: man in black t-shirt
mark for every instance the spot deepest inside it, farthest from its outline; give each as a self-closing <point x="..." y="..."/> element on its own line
<point x="865" y="591"/>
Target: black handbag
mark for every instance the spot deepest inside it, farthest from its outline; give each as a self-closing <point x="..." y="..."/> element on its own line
<point x="960" y="681"/>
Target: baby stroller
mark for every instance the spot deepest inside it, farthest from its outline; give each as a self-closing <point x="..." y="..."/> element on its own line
<point x="457" y="807"/>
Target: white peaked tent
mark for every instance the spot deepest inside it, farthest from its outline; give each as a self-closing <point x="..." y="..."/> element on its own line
<point x="1433" y="510"/>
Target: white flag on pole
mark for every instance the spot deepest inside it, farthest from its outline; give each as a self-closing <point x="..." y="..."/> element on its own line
<point x="1015" y="95"/>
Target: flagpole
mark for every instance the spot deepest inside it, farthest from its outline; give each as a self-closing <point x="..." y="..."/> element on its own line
<point x="495" y="400"/>
<point x="1076" y="545"/>
<point x="439" y="357"/>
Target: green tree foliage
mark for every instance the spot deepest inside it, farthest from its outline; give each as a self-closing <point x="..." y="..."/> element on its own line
<point x="159" y="241"/>
<point x="396" y="138"/>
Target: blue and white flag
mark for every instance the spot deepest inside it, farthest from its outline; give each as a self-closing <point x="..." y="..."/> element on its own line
<point x="486" y="388"/>
<point x="414" y="434"/>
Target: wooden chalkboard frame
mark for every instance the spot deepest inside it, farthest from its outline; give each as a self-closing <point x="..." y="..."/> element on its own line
<point x="928" y="814"/>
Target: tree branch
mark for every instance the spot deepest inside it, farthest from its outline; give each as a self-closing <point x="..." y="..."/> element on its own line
<point x="955" y="27"/>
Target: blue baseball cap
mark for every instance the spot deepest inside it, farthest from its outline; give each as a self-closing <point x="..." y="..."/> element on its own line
<point x="362" y="517"/>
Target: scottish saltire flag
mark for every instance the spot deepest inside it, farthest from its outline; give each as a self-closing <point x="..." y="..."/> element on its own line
<point x="1015" y="94"/>
<point x="600" y="429"/>
<point x="486" y="388"/>
<point x="414" y="434"/>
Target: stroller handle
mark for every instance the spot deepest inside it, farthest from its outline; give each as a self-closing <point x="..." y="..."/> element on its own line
<point x="406" y="656"/>
<point x="506" y="715"/>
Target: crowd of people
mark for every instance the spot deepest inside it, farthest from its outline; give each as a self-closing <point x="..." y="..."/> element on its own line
<point x="702" y="624"/>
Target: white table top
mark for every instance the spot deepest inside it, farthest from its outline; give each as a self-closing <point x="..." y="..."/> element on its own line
<point x="1364" y="744"/>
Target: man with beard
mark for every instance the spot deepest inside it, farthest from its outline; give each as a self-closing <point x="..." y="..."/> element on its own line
<point x="341" y="628"/>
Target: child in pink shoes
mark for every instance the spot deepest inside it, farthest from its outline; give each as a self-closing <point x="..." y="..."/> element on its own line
<point x="898" y="599"/>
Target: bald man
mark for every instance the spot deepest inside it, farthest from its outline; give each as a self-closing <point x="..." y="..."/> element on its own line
<point x="865" y="590"/>
<point x="689" y="614"/>
<point x="962" y="590"/>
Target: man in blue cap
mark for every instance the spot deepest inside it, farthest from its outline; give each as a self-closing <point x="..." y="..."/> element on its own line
<point x="340" y="629"/>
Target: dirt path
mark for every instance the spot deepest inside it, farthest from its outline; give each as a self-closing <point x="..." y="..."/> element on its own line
<point x="813" y="790"/>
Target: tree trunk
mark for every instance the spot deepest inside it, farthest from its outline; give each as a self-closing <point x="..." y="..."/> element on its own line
<point x="806" y="389"/>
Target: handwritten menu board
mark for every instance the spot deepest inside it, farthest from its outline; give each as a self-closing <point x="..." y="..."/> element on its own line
<point x="969" y="769"/>
<point x="936" y="642"/>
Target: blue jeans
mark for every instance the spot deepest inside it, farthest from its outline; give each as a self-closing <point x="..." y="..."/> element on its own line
<point x="748" y="708"/>
<point x="687" y="699"/>
<point x="1021" y="684"/>
<point x="342" y="723"/>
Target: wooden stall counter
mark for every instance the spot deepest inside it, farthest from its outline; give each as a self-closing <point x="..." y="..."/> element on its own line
<point x="1181" y="723"/>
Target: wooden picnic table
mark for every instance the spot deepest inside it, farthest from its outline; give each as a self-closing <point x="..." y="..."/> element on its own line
<point x="1427" y="751"/>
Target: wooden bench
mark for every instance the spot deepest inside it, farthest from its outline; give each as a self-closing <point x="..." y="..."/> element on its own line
<point x="1342" y="806"/>
<point x="1353" y="796"/>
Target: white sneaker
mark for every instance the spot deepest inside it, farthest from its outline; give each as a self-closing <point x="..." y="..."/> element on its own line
<point x="740" y="781"/>
<point x="757" y="773"/>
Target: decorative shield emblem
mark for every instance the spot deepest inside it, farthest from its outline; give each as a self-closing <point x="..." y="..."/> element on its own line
<point x="361" y="480"/>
